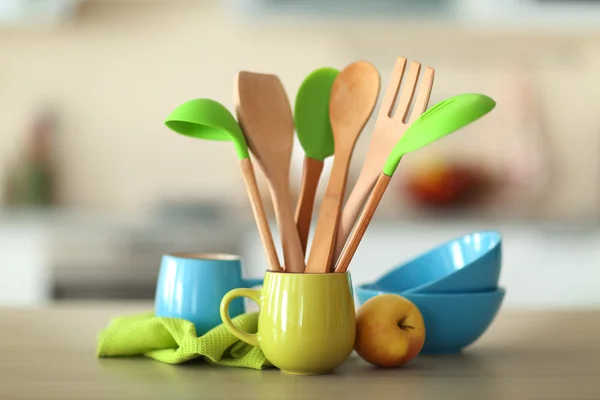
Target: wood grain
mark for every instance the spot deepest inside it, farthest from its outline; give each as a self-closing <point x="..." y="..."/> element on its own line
<point x="260" y="217"/>
<point x="49" y="353"/>
<point x="311" y="173"/>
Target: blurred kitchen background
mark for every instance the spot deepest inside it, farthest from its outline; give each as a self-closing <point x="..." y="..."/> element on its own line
<point x="94" y="188"/>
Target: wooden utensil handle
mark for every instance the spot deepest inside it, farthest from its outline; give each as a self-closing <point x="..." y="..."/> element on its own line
<point x="321" y="251"/>
<point x="259" y="215"/>
<point x="290" y="240"/>
<point x="363" y="222"/>
<point x="350" y="214"/>
<point x="306" y="200"/>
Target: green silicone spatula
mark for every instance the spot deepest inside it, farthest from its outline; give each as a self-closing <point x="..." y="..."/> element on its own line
<point x="437" y="122"/>
<point x="313" y="128"/>
<point x="210" y="120"/>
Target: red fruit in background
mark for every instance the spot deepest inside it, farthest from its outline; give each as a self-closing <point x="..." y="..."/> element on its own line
<point x="443" y="185"/>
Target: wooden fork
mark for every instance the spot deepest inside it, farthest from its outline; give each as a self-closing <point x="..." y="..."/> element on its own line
<point x="389" y="127"/>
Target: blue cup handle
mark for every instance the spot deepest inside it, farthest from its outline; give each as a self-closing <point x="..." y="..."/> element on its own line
<point x="253" y="282"/>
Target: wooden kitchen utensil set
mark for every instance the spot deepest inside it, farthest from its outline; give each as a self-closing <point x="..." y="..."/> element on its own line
<point x="332" y="108"/>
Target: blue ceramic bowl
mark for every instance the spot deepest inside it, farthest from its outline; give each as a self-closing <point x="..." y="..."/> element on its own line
<point x="452" y="321"/>
<point x="470" y="263"/>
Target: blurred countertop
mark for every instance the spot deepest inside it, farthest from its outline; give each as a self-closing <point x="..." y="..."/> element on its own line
<point x="112" y="255"/>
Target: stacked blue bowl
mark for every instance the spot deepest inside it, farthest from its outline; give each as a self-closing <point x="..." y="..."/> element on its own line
<point x="455" y="286"/>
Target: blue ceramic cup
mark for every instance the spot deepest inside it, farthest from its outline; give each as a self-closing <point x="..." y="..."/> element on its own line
<point x="191" y="286"/>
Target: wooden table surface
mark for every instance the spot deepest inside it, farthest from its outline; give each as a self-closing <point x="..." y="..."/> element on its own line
<point x="49" y="353"/>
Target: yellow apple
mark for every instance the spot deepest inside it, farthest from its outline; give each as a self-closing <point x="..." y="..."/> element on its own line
<point x="389" y="330"/>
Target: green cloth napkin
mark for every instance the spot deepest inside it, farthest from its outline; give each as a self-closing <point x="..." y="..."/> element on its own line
<point x="174" y="341"/>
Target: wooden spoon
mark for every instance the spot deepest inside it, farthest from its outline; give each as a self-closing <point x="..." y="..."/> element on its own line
<point x="389" y="127"/>
<point x="353" y="97"/>
<point x="265" y="115"/>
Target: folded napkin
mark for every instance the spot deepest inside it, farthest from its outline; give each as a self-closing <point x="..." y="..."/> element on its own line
<point x="174" y="341"/>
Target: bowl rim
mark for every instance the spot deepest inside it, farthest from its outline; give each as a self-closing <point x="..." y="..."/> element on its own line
<point x="441" y="245"/>
<point x="500" y="290"/>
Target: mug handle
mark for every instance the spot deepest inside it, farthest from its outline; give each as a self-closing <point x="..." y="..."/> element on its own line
<point x="253" y="282"/>
<point x="252" y="294"/>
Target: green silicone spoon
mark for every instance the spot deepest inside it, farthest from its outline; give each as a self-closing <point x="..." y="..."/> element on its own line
<point x="210" y="120"/>
<point x="311" y="118"/>
<point x="440" y="120"/>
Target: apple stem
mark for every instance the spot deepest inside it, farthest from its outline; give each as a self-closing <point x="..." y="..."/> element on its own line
<point x="402" y="326"/>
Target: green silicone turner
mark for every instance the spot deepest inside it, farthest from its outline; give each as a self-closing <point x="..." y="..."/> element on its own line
<point x="442" y="119"/>
<point x="311" y="118"/>
<point x="210" y="120"/>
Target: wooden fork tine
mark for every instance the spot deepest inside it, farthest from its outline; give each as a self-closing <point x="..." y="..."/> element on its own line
<point x="408" y="92"/>
<point x="387" y="106"/>
<point x="422" y="99"/>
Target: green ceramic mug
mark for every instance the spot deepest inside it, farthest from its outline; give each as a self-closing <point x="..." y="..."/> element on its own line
<point x="306" y="323"/>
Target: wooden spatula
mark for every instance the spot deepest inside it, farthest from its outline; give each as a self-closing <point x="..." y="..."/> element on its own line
<point x="389" y="127"/>
<point x="353" y="97"/>
<point x="265" y="115"/>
